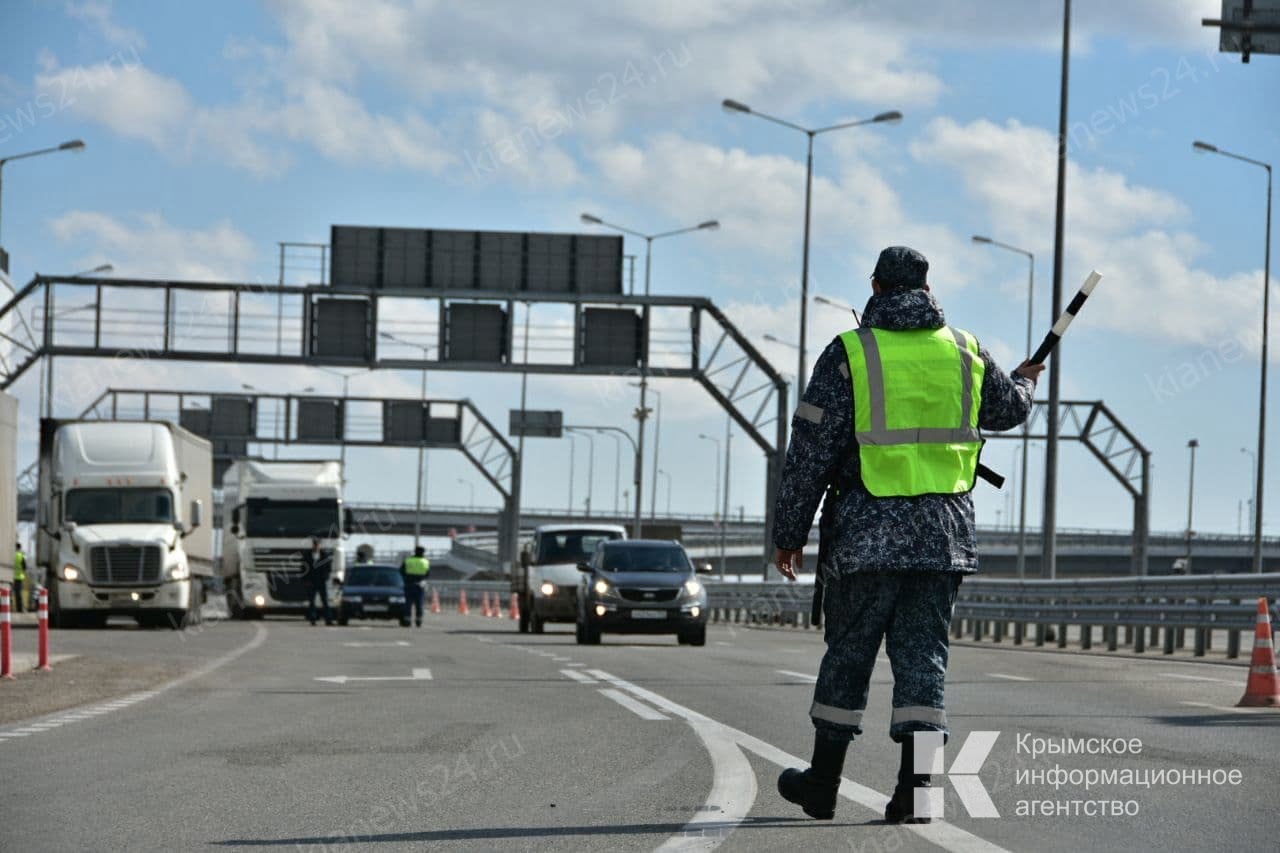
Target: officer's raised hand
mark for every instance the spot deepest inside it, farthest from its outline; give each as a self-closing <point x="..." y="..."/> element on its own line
<point x="788" y="562"/>
<point x="1029" y="370"/>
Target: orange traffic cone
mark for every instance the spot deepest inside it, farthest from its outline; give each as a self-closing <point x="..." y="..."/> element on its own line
<point x="497" y="606"/>
<point x="484" y="605"/>
<point x="1262" y="690"/>
<point x="435" y="601"/>
<point x="462" y="604"/>
<point x="514" y="610"/>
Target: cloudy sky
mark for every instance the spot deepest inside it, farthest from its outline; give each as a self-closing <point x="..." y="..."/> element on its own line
<point x="215" y="132"/>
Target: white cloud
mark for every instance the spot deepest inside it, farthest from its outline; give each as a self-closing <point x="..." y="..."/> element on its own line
<point x="97" y="14"/>
<point x="148" y="246"/>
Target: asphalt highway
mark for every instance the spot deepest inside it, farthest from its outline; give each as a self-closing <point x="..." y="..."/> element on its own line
<point x="465" y="735"/>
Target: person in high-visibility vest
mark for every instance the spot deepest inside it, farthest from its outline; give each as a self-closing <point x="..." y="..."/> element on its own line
<point x="888" y="429"/>
<point x="415" y="570"/>
<point x="19" y="579"/>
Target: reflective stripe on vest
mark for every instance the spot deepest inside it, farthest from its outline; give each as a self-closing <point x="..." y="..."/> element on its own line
<point x="416" y="566"/>
<point x="915" y="419"/>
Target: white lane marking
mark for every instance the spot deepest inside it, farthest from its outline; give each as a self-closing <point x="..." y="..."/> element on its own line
<point x="577" y="664"/>
<point x="85" y="713"/>
<point x="944" y="835"/>
<point x="363" y="645"/>
<point x="641" y="710"/>
<point x="733" y="793"/>
<point x="1194" y="677"/>
<point x="560" y="659"/>
<point x="577" y="676"/>
<point x="812" y="679"/>
<point x="722" y="643"/>
<point x="418" y="675"/>
<point x="1009" y="677"/>
<point x="1228" y="708"/>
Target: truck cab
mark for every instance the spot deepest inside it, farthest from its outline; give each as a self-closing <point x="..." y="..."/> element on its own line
<point x="548" y="581"/>
<point x="121" y="522"/>
<point x="272" y="510"/>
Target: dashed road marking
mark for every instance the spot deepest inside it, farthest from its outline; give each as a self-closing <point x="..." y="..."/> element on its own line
<point x="1009" y="677"/>
<point x="578" y="676"/>
<point x="1229" y="708"/>
<point x="1194" y="677"/>
<point x="812" y="679"/>
<point x="640" y="709"/>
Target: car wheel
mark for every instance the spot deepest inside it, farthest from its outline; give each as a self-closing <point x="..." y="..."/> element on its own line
<point x="682" y="639"/>
<point x="695" y="636"/>
<point x="343" y="620"/>
<point x="579" y="634"/>
<point x="591" y="635"/>
<point x="525" y="612"/>
<point x="536" y="625"/>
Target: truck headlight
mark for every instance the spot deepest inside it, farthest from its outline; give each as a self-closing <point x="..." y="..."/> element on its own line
<point x="692" y="588"/>
<point x="71" y="573"/>
<point x="179" y="572"/>
<point x="602" y="587"/>
<point x="548" y="588"/>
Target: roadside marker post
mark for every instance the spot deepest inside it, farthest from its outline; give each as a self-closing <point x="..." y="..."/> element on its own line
<point x="6" y="635"/>
<point x="42" y="619"/>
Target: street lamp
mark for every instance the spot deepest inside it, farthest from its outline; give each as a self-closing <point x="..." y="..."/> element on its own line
<point x="1191" y="492"/>
<point x="1026" y="426"/>
<point x="733" y="106"/>
<point x="776" y="340"/>
<point x="831" y="303"/>
<point x="657" y="435"/>
<point x="422" y="445"/>
<point x="71" y="145"/>
<point x="100" y="268"/>
<point x="585" y="432"/>
<point x="642" y="411"/>
<point x="723" y="510"/>
<point x="1205" y="147"/>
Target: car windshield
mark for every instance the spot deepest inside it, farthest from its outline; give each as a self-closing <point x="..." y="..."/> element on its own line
<point x="645" y="558"/>
<point x="119" y="506"/>
<point x="264" y="517"/>
<point x="373" y="576"/>
<point x="571" y="546"/>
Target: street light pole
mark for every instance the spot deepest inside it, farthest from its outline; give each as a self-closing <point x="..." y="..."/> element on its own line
<point x="715" y="507"/>
<point x="1026" y="425"/>
<point x="1262" y="392"/>
<point x="1191" y="493"/>
<point x="724" y="511"/>
<point x="70" y="145"/>
<point x="1253" y="468"/>
<point x="668" y="476"/>
<point x="733" y="106"/>
<point x="1049" y="526"/>
<point x="422" y="445"/>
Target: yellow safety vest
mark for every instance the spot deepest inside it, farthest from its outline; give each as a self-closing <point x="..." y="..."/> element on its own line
<point x="20" y="566"/>
<point x="916" y="399"/>
<point x="417" y="567"/>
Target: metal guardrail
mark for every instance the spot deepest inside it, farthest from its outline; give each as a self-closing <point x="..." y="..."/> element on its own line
<point x="1130" y="612"/>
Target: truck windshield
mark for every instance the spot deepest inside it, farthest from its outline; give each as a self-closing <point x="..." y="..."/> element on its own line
<point x="119" y="506"/>
<point x="571" y="546"/>
<point x="264" y="517"/>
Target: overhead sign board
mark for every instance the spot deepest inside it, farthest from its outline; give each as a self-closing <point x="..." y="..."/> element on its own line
<point x="417" y="259"/>
<point x="535" y="423"/>
<point x="1249" y="26"/>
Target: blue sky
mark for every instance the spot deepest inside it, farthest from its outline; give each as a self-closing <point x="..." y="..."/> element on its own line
<point x="215" y="132"/>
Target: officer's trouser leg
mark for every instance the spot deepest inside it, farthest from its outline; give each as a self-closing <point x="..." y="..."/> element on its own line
<point x="858" y="608"/>
<point x="917" y="644"/>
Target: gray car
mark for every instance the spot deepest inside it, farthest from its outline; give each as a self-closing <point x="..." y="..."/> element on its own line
<point x="641" y="586"/>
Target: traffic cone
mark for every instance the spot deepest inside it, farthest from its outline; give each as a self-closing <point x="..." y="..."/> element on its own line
<point x="1262" y="690"/>
<point x="462" y="604"/>
<point x="496" y="610"/>
<point x="484" y="605"/>
<point x="435" y="601"/>
<point x="514" y="610"/>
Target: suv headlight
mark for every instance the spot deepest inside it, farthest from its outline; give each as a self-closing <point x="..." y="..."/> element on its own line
<point x="602" y="587"/>
<point x="548" y="588"/>
<point x="693" y="588"/>
<point x="71" y="573"/>
<point x="179" y="572"/>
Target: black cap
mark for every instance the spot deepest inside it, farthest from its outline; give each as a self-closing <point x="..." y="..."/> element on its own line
<point x="901" y="267"/>
<point x="419" y="551"/>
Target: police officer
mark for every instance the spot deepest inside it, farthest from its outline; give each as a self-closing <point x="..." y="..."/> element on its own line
<point x="889" y="429"/>
<point x="414" y="570"/>
<point x="316" y="566"/>
<point x="19" y="579"/>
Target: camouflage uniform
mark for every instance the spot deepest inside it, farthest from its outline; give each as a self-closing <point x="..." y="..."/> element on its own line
<point x="892" y="566"/>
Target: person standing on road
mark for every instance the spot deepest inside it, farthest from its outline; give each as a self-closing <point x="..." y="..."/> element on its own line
<point x="414" y="570"/>
<point x="316" y="565"/>
<point x="889" y="429"/>
<point x="19" y="579"/>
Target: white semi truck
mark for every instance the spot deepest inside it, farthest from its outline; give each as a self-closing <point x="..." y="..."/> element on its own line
<point x="121" y="521"/>
<point x="271" y="510"/>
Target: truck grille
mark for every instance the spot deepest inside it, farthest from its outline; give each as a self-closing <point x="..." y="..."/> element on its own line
<point x="125" y="564"/>
<point x="648" y="594"/>
<point x="277" y="559"/>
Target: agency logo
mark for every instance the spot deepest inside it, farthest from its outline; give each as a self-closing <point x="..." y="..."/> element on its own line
<point x="963" y="774"/>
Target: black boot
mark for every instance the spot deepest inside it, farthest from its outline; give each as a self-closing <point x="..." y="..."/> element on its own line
<point x="815" y="789"/>
<point x="901" y="807"/>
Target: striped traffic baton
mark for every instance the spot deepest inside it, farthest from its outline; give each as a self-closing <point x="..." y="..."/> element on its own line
<point x="6" y="635"/>
<point x="1060" y="327"/>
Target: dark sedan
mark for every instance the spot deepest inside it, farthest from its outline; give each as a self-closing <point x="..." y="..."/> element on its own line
<point x="641" y="586"/>
<point x="373" y="591"/>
